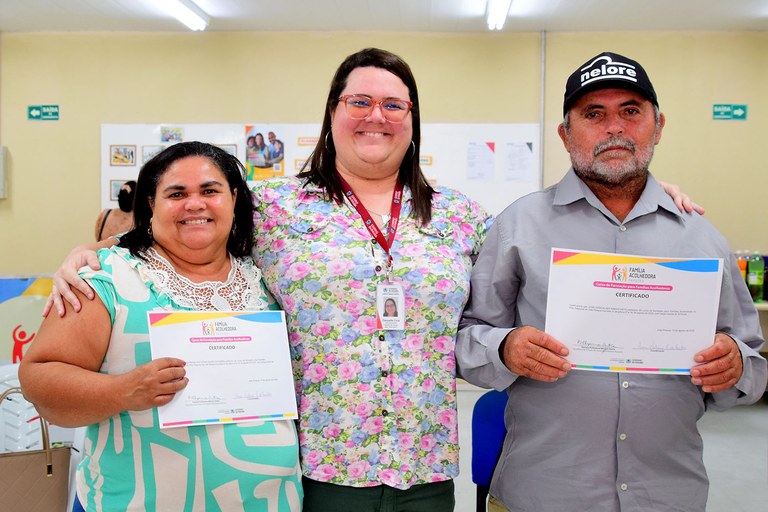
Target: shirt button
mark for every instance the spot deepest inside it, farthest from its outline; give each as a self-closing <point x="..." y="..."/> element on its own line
<point x="378" y="268"/>
<point x="384" y="373"/>
<point x="624" y="487"/>
<point x="310" y="229"/>
<point x="381" y="337"/>
<point x="622" y="228"/>
<point x="622" y="437"/>
<point x="373" y="241"/>
<point x="384" y="413"/>
<point x="625" y="384"/>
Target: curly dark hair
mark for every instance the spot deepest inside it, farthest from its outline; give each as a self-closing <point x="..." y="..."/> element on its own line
<point x="320" y="168"/>
<point x="240" y="242"/>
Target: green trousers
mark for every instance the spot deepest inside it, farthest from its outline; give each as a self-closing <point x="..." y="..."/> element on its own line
<point x="325" y="497"/>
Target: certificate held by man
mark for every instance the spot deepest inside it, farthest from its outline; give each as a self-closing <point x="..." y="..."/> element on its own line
<point x="238" y="366"/>
<point x="629" y="313"/>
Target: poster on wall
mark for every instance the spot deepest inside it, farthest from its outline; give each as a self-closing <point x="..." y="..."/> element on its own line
<point x="493" y="164"/>
<point x="263" y="153"/>
<point x="21" y="304"/>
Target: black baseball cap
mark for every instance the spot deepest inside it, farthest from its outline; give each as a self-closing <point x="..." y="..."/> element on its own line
<point x="605" y="71"/>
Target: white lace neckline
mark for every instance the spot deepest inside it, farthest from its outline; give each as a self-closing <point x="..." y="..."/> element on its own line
<point x="241" y="291"/>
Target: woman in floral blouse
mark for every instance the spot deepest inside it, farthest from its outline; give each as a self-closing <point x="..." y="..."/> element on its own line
<point x="378" y="419"/>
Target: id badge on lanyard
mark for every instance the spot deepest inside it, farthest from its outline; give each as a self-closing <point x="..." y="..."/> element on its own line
<point x="390" y="307"/>
<point x="390" y="296"/>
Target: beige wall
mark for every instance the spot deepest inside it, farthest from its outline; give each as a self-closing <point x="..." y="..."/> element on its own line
<point x="54" y="167"/>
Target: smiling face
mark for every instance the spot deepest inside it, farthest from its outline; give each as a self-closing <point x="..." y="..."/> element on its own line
<point x="390" y="308"/>
<point x="611" y="135"/>
<point x="193" y="208"/>
<point x="371" y="147"/>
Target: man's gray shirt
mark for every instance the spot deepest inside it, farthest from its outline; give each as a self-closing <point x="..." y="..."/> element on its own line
<point x="596" y="441"/>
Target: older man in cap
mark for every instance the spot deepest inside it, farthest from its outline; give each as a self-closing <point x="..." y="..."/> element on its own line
<point x="601" y="441"/>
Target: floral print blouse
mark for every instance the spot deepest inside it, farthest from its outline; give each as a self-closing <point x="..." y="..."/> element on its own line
<point x="375" y="406"/>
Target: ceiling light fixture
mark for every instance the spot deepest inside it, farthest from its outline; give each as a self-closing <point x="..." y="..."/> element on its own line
<point x="497" y="11"/>
<point x="187" y="12"/>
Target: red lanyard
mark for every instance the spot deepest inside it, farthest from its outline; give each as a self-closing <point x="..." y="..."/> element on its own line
<point x="371" y="226"/>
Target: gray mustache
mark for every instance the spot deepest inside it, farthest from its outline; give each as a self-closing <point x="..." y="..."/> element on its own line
<point x="614" y="142"/>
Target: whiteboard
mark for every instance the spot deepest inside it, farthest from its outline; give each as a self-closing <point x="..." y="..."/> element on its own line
<point x="493" y="163"/>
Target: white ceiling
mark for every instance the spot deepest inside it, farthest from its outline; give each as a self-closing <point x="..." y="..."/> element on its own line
<point x="386" y="15"/>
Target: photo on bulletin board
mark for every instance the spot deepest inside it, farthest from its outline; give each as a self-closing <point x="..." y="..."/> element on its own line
<point x="122" y="155"/>
<point x="264" y="153"/>
<point x="229" y="148"/>
<point x="148" y="152"/>
<point x="171" y="134"/>
<point x="114" y="188"/>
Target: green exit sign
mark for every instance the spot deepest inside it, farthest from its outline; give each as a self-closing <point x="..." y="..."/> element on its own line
<point x="729" y="112"/>
<point x="43" y="112"/>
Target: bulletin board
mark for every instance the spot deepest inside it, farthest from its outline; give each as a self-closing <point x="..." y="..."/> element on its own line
<point x="493" y="164"/>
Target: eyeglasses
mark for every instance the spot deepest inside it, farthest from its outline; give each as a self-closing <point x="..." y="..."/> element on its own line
<point x="360" y="106"/>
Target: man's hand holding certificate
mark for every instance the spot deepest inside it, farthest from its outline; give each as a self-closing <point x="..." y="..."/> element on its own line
<point x="619" y="312"/>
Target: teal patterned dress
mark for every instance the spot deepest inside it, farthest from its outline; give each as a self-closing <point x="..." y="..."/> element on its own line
<point x="129" y="463"/>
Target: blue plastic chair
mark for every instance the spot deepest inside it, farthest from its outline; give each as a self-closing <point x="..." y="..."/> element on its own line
<point x="488" y="432"/>
<point x="77" y="506"/>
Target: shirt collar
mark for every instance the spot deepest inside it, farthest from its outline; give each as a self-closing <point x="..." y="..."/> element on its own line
<point x="571" y="189"/>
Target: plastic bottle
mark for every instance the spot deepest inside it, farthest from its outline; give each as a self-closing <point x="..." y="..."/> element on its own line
<point x="756" y="276"/>
<point x="741" y="259"/>
<point x="765" y="287"/>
